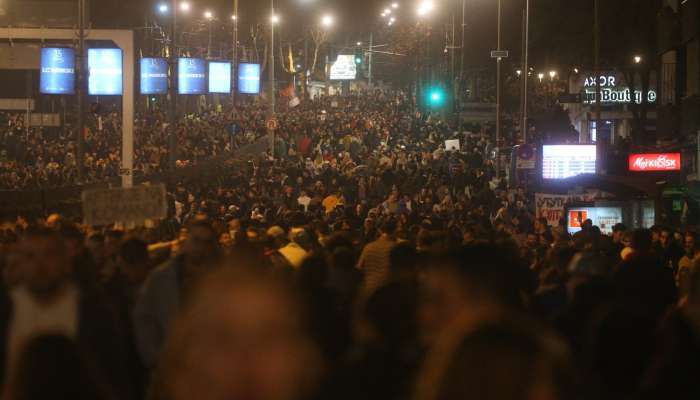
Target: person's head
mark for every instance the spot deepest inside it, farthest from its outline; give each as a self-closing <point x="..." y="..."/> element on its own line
<point x="201" y="245"/>
<point x="96" y="246"/>
<point x="388" y="227"/>
<point x="627" y="239"/>
<point x="511" y="359"/>
<point x="474" y="283"/>
<point x="690" y="244"/>
<point x="133" y="260"/>
<point x="665" y="237"/>
<point x="73" y="239"/>
<point x="240" y="337"/>
<point x="532" y="240"/>
<point x="619" y="230"/>
<point x="44" y="261"/>
<point x="641" y="240"/>
<point x="587" y="224"/>
<point x="403" y="261"/>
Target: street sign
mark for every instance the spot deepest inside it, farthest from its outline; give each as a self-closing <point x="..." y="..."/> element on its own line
<point x="499" y="53"/>
<point x="271" y="124"/>
<point x="126" y="205"/>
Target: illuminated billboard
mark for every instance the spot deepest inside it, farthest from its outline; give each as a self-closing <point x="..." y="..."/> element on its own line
<point x="249" y="78"/>
<point x="105" y="72"/>
<point x="57" y="75"/>
<point x="219" y="77"/>
<point x="191" y="76"/>
<point x="565" y="161"/>
<point x="655" y="162"/>
<point x="154" y="76"/>
<point x="603" y="217"/>
<point x="344" y="68"/>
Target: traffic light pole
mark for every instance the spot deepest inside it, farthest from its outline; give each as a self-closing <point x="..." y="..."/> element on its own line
<point x="272" y="76"/>
<point x="369" y="67"/>
<point x="172" y="128"/>
<point x="80" y="151"/>
<point x="498" y="98"/>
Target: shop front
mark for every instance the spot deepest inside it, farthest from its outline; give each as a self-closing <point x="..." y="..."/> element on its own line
<point x="616" y="100"/>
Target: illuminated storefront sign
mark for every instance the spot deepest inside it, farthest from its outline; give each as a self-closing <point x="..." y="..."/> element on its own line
<point x="613" y="90"/>
<point x="655" y="162"/>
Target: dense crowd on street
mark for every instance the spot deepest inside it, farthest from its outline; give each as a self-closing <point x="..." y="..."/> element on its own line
<point x="45" y="157"/>
<point x="358" y="259"/>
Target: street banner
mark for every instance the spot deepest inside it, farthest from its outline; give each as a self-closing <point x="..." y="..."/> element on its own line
<point x="551" y="206"/>
<point x="126" y="205"/>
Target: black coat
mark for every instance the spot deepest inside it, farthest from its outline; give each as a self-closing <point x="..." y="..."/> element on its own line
<point x="100" y="339"/>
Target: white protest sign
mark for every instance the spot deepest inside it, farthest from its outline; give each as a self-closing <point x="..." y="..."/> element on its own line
<point x="452" y="144"/>
<point x="126" y="205"/>
<point x="551" y="206"/>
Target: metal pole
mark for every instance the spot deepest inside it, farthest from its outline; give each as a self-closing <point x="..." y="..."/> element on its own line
<point x="234" y="57"/>
<point x="525" y="69"/>
<point x="697" y="160"/>
<point x="596" y="74"/>
<point x="172" y="93"/>
<point x="209" y="44"/>
<point x="498" y="96"/>
<point x="80" y="153"/>
<point x="461" y="46"/>
<point x="272" y="73"/>
<point x="369" y="71"/>
<point x="452" y="60"/>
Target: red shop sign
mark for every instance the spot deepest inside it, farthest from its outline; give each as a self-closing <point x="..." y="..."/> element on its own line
<point x="655" y="162"/>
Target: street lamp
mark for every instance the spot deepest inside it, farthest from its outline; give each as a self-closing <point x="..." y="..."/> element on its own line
<point x="540" y="76"/>
<point x="233" y="17"/>
<point x="637" y="59"/>
<point x="552" y="74"/>
<point x="359" y="43"/>
<point x="518" y="72"/>
<point x="327" y="21"/>
<point x="275" y="19"/>
<point x="395" y="5"/>
<point x="185" y="6"/>
<point x="210" y="17"/>
<point x="387" y="11"/>
<point x="425" y="7"/>
<point x="163" y="8"/>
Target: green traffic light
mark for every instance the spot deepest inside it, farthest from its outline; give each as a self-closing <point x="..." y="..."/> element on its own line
<point x="436" y="97"/>
<point x="358" y="60"/>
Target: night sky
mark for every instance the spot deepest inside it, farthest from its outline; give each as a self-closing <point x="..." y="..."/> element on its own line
<point x="354" y="18"/>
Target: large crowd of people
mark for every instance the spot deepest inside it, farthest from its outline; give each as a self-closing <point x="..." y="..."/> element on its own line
<point x="45" y="157"/>
<point x="359" y="258"/>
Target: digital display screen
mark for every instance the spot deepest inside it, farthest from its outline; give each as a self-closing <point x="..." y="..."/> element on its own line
<point x="565" y="161"/>
<point x="219" y="77"/>
<point x="249" y="78"/>
<point x="191" y="76"/>
<point x="603" y="217"/>
<point x="344" y="68"/>
<point x="105" y="72"/>
<point x="57" y="71"/>
<point x="154" y="76"/>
